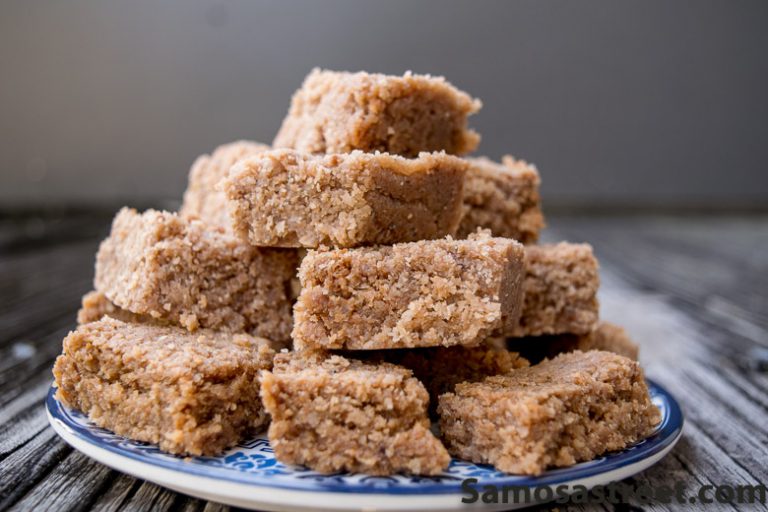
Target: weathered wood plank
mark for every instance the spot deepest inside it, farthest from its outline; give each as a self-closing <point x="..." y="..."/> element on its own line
<point x="211" y="506"/>
<point x="152" y="498"/>
<point x="24" y="468"/>
<point x="24" y="275"/>
<point x="23" y="418"/>
<point x="76" y="482"/>
<point x="115" y="495"/>
<point x="24" y="234"/>
<point x="18" y="377"/>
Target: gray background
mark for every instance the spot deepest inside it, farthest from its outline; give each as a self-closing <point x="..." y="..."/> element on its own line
<point x="638" y="103"/>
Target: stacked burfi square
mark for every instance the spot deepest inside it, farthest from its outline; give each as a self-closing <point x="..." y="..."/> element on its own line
<point x="348" y="285"/>
<point x="191" y="393"/>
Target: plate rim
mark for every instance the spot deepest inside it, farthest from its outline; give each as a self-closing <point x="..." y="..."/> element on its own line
<point x="258" y="497"/>
<point x="667" y="434"/>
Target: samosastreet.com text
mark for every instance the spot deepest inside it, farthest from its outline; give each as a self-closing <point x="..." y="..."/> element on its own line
<point x="613" y="493"/>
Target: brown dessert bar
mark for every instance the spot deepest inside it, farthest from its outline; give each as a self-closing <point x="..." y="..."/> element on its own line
<point x="441" y="368"/>
<point x="606" y="336"/>
<point x="193" y="394"/>
<point x="203" y="199"/>
<point x="338" y="112"/>
<point x="566" y="410"/>
<point x="176" y="270"/>
<point x="338" y="414"/>
<point x="503" y="198"/>
<point x="420" y="294"/>
<point x="95" y="305"/>
<point x="560" y="290"/>
<point x="283" y="198"/>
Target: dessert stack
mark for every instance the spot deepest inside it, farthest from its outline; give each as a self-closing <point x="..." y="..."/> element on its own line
<point x="365" y="289"/>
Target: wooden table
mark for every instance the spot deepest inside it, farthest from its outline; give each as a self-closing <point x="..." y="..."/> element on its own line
<point x="692" y="290"/>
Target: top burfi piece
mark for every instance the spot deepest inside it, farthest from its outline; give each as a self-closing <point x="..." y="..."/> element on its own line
<point x="504" y="198"/>
<point x="338" y="112"/>
<point x="203" y="199"/>
<point x="286" y="198"/>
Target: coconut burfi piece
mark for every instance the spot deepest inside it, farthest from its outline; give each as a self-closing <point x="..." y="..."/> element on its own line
<point x="203" y="199"/>
<point x="338" y="112"/>
<point x="420" y="294"/>
<point x="339" y="414"/>
<point x="284" y="198"/>
<point x="503" y="198"/>
<point x="177" y="270"/>
<point x="605" y="336"/>
<point x="560" y="290"/>
<point x="190" y="393"/>
<point x="569" y="409"/>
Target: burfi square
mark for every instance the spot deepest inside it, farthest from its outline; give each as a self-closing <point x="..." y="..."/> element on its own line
<point x="192" y="394"/>
<point x="339" y="112"/>
<point x="560" y="290"/>
<point x="181" y="271"/>
<point x="605" y="336"/>
<point x="503" y="198"/>
<point x="203" y="199"/>
<point x="284" y="198"/>
<point x="420" y="294"/>
<point x="340" y="414"/>
<point x="569" y="409"/>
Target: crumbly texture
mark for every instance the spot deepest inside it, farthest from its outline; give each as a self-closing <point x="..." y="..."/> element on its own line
<point x="192" y="394"/>
<point x="178" y="270"/>
<point x="560" y="290"/>
<point x="284" y="198"/>
<point x="338" y="414"/>
<point x="203" y="199"/>
<point x="606" y="336"/>
<point x="338" y="112"/>
<point x="95" y="306"/>
<point x="421" y="294"/>
<point x="611" y="338"/>
<point x="503" y="198"/>
<point x="570" y="409"/>
<point x="441" y="368"/>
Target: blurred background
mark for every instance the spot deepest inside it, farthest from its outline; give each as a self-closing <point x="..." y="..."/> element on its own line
<point x="635" y="104"/>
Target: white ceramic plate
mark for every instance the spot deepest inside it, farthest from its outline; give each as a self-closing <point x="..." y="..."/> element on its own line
<point x="249" y="476"/>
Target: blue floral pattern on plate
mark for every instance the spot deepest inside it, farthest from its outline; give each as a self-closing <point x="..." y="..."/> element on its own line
<point x="254" y="461"/>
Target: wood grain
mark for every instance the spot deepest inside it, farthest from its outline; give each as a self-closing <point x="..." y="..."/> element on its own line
<point x="690" y="290"/>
